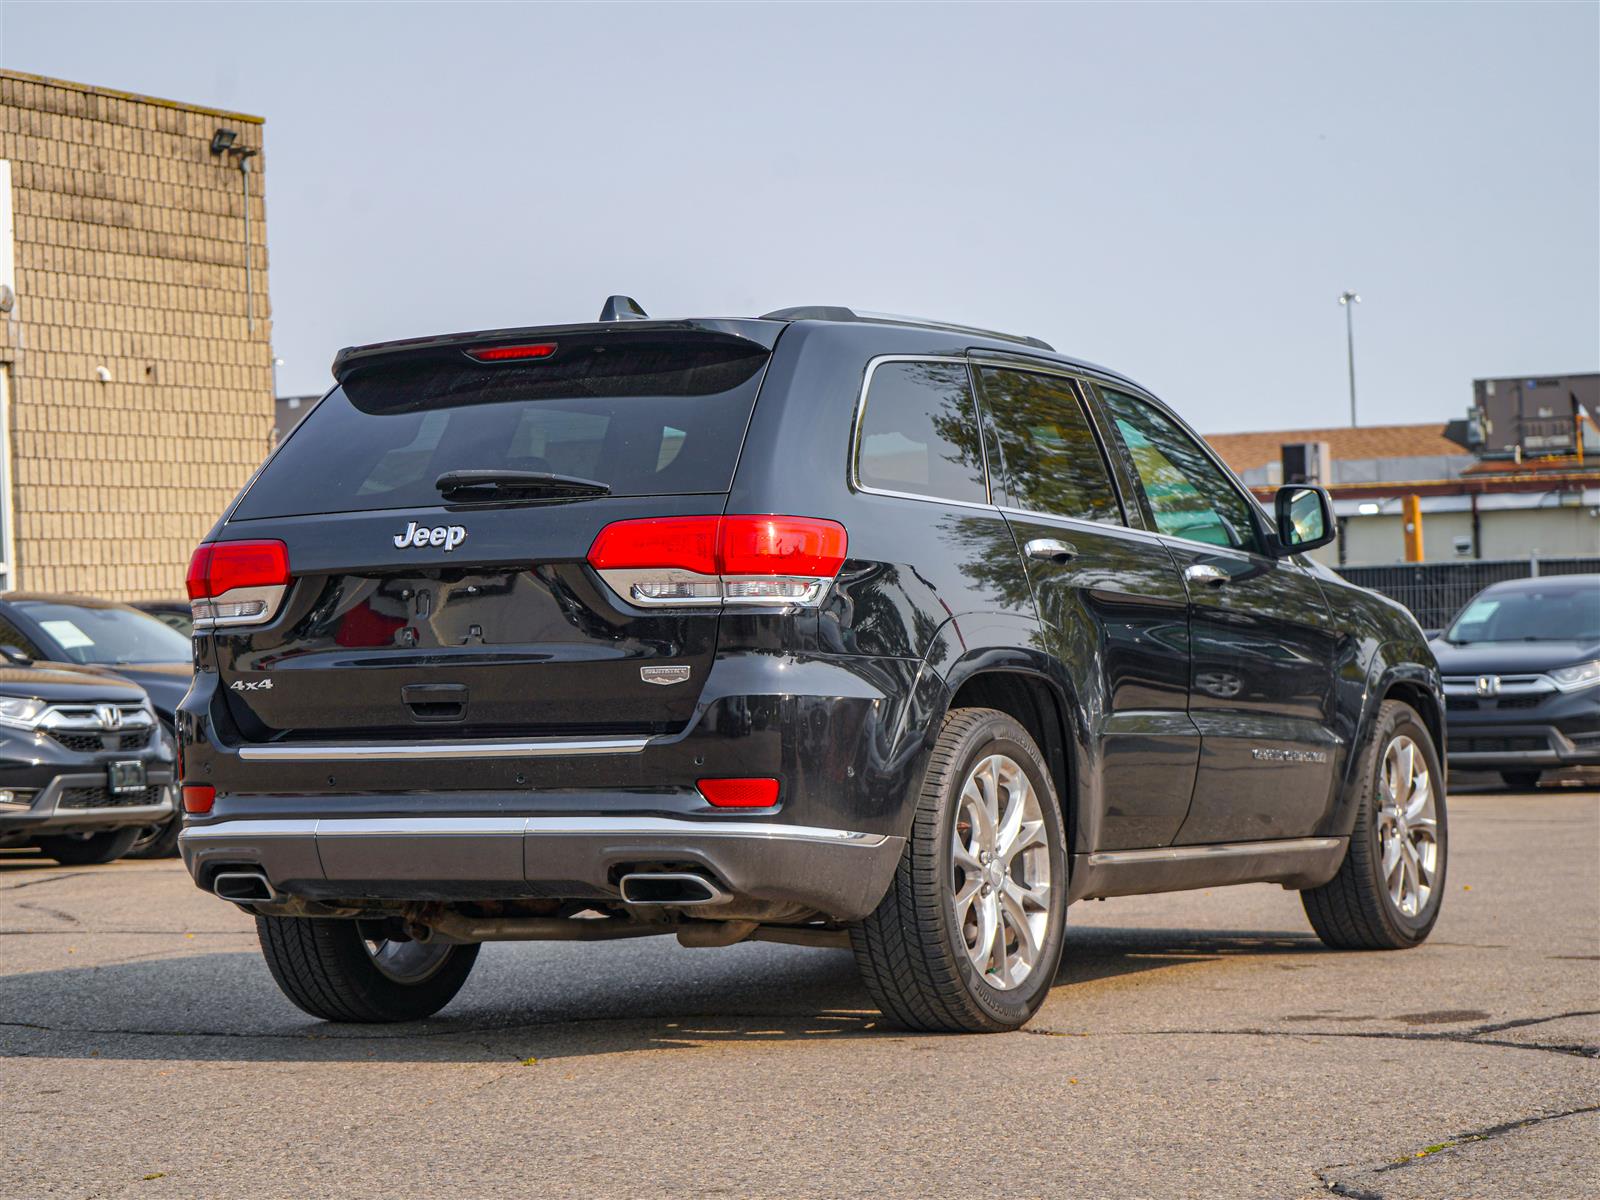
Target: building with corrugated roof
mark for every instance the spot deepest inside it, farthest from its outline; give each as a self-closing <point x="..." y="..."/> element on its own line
<point x="1477" y="500"/>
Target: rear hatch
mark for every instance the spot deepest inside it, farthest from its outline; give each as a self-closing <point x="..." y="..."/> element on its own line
<point x="426" y="603"/>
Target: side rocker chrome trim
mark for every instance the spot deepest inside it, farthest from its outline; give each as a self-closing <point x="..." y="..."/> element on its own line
<point x="426" y="751"/>
<point x="1125" y="858"/>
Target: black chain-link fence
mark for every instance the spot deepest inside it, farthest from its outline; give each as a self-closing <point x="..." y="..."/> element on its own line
<point x="1436" y="591"/>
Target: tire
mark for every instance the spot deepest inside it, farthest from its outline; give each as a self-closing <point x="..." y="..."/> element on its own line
<point x="324" y="966"/>
<point x="87" y="850"/>
<point x="1521" y="781"/>
<point x="914" y="953"/>
<point x="161" y="841"/>
<point x="158" y="841"/>
<point x="1358" y="908"/>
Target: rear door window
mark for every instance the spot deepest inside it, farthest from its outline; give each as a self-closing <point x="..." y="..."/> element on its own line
<point x="919" y="433"/>
<point x="646" y="417"/>
<point x="1050" y="461"/>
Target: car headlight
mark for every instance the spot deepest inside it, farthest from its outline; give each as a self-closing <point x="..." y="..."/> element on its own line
<point x="1572" y="679"/>
<point x="20" y="714"/>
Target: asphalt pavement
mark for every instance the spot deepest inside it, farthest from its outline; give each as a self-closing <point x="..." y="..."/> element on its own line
<point x="1199" y="1044"/>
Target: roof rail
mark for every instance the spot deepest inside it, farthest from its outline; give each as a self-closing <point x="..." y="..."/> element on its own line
<point x="829" y="312"/>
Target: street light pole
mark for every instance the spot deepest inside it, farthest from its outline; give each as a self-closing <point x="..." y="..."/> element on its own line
<point x="1348" y="301"/>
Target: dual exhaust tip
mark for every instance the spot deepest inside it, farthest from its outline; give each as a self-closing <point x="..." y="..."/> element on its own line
<point x="670" y="888"/>
<point x="245" y="887"/>
<point x="641" y="888"/>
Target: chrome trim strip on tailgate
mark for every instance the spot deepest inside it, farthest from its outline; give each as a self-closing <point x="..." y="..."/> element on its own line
<point x="423" y="751"/>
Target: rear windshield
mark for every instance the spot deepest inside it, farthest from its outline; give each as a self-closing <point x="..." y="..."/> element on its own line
<point x="646" y="417"/>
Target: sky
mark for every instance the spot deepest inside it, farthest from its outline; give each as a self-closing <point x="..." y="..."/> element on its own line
<point x="1179" y="192"/>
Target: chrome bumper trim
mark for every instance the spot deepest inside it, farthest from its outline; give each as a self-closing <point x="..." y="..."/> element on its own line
<point x="430" y="827"/>
<point x="432" y="751"/>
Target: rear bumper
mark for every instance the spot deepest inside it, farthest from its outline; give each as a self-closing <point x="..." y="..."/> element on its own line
<point x="410" y="858"/>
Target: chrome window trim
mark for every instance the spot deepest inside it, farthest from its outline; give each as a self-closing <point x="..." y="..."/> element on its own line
<point x="1078" y="523"/>
<point x="861" y="411"/>
<point x="428" y="751"/>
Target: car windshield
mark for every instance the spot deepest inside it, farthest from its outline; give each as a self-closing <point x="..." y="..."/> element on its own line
<point x="1561" y="614"/>
<point x="109" y="636"/>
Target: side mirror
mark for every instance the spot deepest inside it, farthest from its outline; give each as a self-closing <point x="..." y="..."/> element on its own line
<point x="1305" y="519"/>
<point x="16" y="657"/>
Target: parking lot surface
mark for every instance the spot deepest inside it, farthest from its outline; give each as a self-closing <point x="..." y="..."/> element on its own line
<point x="1198" y="1044"/>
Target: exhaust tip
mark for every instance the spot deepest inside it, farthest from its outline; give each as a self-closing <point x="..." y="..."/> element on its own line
<point x="244" y="887"/>
<point x="670" y="888"/>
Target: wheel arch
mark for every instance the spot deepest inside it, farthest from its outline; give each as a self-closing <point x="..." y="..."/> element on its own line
<point x="1040" y="704"/>
<point x="1415" y="684"/>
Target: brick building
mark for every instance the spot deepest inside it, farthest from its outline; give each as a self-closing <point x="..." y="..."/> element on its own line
<point x="135" y="365"/>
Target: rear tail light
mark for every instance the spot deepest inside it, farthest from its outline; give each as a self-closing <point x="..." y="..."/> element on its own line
<point x="198" y="798"/>
<point x="739" y="793"/>
<point x="768" y="560"/>
<point x="237" y="583"/>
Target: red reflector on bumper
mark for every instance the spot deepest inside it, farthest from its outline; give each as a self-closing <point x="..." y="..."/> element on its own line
<point x="739" y="793"/>
<point x="198" y="797"/>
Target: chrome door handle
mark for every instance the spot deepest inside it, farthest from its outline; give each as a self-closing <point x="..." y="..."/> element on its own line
<point x="1205" y="573"/>
<point x="1051" y="550"/>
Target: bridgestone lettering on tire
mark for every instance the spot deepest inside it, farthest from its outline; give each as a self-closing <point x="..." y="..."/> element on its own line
<point x="1387" y="893"/>
<point x="969" y="936"/>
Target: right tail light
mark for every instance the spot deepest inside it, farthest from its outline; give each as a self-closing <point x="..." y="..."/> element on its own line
<point x="683" y="561"/>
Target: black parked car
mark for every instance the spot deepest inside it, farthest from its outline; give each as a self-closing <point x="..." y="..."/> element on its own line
<point x="170" y="612"/>
<point x="83" y="767"/>
<point x="1521" y="666"/>
<point x="812" y="627"/>
<point x="112" y="639"/>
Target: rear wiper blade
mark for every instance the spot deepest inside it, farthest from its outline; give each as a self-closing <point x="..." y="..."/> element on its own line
<point x="540" y="482"/>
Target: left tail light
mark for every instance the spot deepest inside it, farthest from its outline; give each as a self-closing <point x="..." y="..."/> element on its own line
<point x="684" y="561"/>
<point x="237" y="583"/>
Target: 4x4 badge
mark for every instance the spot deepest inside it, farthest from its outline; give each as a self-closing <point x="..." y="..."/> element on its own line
<point x="663" y="675"/>
<point x="251" y="685"/>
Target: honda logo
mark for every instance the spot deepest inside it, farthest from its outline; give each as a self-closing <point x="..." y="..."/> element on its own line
<point x="1488" y="685"/>
<point x="110" y="716"/>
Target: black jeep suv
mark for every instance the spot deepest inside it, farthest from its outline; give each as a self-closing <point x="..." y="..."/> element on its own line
<point x="818" y="628"/>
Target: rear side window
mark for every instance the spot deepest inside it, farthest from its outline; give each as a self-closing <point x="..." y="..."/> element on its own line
<point x="647" y="417"/>
<point x="1050" y="459"/>
<point x="919" y="433"/>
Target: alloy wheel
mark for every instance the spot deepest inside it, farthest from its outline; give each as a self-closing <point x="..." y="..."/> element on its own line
<point x="408" y="962"/>
<point x="1000" y="871"/>
<point x="1408" y="827"/>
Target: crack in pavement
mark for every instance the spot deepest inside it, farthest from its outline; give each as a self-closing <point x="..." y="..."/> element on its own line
<point x="1351" y="1192"/>
<point x="1466" y="1038"/>
<point x="57" y="913"/>
<point x="17" y="887"/>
